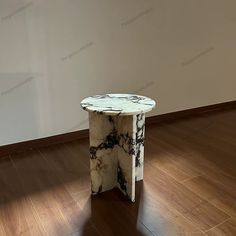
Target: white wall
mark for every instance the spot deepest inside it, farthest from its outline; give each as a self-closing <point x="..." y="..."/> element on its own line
<point x="53" y="53"/>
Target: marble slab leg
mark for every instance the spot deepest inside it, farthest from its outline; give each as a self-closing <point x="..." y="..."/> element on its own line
<point x="126" y="155"/>
<point x="139" y="141"/>
<point x="116" y="152"/>
<point x="103" y="153"/>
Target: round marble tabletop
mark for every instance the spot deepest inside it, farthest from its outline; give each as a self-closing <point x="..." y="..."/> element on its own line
<point x="118" y="104"/>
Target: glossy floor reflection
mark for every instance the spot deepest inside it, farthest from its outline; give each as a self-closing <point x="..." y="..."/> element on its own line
<point x="188" y="188"/>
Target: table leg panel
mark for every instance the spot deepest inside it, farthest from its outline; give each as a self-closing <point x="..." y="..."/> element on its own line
<point x="139" y="142"/>
<point x="103" y="153"/>
<point x="126" y="155"/>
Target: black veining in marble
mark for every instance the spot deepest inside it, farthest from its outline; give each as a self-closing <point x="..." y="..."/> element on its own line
<point x="140" y="124"/>
<point x="131" y="146"/>
<point x="121" y="179"/>
<point x="125" y="141"/>
<point x="133" y="98"/>
<point x="110" y="141"/>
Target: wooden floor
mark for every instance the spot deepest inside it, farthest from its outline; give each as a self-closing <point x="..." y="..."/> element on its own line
<point x="189" y="186"/>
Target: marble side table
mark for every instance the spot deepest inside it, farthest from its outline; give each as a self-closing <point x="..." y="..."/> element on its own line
<point x="116" y="128"/>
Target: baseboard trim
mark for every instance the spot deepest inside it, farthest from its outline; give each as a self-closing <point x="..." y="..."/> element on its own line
<point x="67" y="137"/>
<point x="173" y="116"/>
<point x="42" y="142"/>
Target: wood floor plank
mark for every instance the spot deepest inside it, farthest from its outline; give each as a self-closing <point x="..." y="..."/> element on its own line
<point x="2" y="232"/>
<point x="225" y="144"/>
<point x="197" y="144"/>
<point x="180" y="198"/>
<point x="16" y="212"/>
<point x="80" y="148"/>
<point x="68" y="167"/>
<point x="108" y="215"/>
<point x="180" y="157"/>
<point x="158" y="156"/>
<point x="189" y="186"/>
<point x="228" y="228"/>
<point x="211" y="129"/>
<point x="156" y="216"/>
<point x="217" y="194"/>
<point x="192" y="158"/>
<point x="58" y="212"/>
<point x="89" y="231"/>
<point x="227" y="118"/>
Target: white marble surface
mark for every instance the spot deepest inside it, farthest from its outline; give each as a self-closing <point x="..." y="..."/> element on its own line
<point x="118" y="104"/>
<point x="117" y="127"/>
<point x="116" y="152"/>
